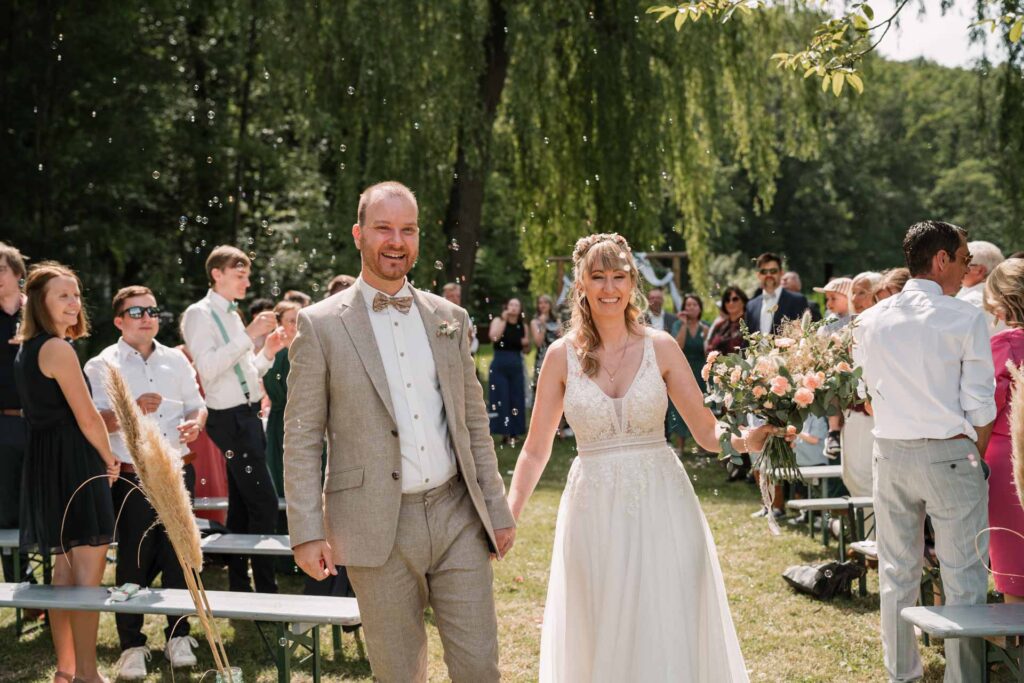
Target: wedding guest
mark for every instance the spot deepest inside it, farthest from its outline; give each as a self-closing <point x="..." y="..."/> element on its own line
<point x="837" y="301"/>
<point x="68" y="453"/>
<point x="766" y="311"/>
<point x="985" y="256"/>
<point x="452" y="291"/>
<point x="810" y="451"/>
<point x="339" y="283"/>
<point x="507" y="395"/>
<point x="657" y="317"/>
<point x="726" y="336"/>
<point x="223" y="349"/>
<point x="1016" y="254"/>
<point x="275" y="383"/>
<point x="893" y="282"/>
<point x="691" y="336"/>
<point x="1004" y="299"/>
<point x="255" y="308"/>
<point x="13" y="430"/>
<point x="857" y="441"/>
<point x="545" y="328"/>
<point x="164" y="386"/>
<point x="792" y="282"/>
<point x="928" y="370"/>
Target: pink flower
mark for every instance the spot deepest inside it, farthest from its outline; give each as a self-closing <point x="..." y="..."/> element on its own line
<point x="705" y="372"/>
<point x="759" y="392"/>
<point x="736" y="374"/>
<point x="780" y="385"/>
<point x="812" y="382"/>
<point x="765" y="366"/>
<point x="712" y="357"/>
<point x="769" y="405"/>
<point x="803" y="397"/>
<point x="784" y="342"/>
<point x="843" y="366"/>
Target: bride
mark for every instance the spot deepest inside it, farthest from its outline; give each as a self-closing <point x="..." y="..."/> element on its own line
<point x="635" y="591"/>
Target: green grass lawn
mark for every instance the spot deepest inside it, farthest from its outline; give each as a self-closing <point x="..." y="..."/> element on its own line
<point x="784" y="636"/>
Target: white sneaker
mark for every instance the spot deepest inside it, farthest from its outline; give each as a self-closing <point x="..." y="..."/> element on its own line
<point x="179" y="651"/>
<point x="132" y="664"/>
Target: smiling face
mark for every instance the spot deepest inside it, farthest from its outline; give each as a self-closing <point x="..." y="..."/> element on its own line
<point x="837" y="303"/>
<point x="389" y="243"/>
<point x="138" y="332"/>
<point x="232" y="282"/>
<point x="769" y="274"/>
<point x="692" y="308"/>
<point x="733" y="305"/>
<point x="863" y="295"/>
<point x="63" y="302"/>
<point x="608" y="291"/>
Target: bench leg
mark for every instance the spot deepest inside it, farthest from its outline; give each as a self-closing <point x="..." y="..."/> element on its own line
<point x="336" y="642"/>
<point x="316" y="654"/>
<point x="842" y="539"/>
<point x="18" y="623"/>
<point x="283" y="654"/>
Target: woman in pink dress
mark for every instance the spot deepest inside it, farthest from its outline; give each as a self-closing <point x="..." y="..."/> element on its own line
<point x="1004" y="298"/>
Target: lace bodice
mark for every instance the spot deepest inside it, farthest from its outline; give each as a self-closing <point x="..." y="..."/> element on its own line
<point x="599" y="420"/>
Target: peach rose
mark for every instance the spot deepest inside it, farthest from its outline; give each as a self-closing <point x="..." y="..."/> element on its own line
<point x="811" y="382"/>
<point x="843" y="366"/>
<point x="736" y="375"/>
<point x="705" y="372"/>
<point x="759" y="392"/>
<point x="765" y="366"/>
<point x="780" y="385"/>
<point x="803" y="397"/>
<point x="712" y="357"/>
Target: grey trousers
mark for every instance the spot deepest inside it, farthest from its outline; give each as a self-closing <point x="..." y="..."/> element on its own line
<point x="934" y="477"/>
<point x="441" y="558"/>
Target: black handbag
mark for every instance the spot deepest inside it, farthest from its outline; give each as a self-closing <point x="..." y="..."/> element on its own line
<point x="824" y="581"/>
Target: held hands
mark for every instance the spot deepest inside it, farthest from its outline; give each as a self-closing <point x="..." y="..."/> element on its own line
<point x="263" y="324"/>
<point x="314" y="558"/>
<point x="148" y="403"/>
<point x="505" y="538"/>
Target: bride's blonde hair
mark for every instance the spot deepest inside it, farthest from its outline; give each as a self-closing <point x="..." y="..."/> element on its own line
<point x="603" y="251"/>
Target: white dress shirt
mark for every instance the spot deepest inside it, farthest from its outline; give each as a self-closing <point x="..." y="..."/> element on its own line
<point x="927" y="364"/>
<point x="215" y="358"/>
<point x="769" y="302"/>
<point x="975" y="295"/>
<point x="428" y="459"/>
<point x="166" y="372"/>
<point x="656" y="321"/>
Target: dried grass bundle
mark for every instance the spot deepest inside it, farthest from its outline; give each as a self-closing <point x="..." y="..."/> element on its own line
<point x="1017" y="427"/>
<point x="162" y="482"/>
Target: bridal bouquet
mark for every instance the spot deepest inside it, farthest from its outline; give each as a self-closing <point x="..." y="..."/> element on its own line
<point x="781" y="379"/>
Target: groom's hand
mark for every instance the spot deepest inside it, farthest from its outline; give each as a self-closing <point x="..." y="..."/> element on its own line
<point x="314" y="558"/>
<point x="505" y="538"/>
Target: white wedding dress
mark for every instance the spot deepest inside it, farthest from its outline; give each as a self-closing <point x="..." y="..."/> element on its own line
<point x="636" y="591"/>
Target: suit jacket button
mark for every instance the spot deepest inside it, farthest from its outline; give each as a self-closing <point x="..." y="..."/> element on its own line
<point x="394" y="432"/>
<point x="395" y="475"/>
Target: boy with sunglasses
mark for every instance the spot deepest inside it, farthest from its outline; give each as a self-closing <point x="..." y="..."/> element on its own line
<point x="164" y="386"/>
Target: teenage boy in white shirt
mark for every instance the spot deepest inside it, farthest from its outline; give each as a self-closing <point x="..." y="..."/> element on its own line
<point x="223" y="350"/>
<point x="164" y="385"/>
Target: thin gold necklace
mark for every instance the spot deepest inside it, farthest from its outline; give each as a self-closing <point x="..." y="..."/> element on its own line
<point x="622" y="357"/>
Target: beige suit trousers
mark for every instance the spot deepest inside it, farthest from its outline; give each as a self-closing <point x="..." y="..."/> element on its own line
<point x="440" y="558"/>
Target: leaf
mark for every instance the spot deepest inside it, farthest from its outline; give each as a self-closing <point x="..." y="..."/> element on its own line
<point x="825" y="82"/>
<point x="809" y="72"/>
<point x="856" y="83"/>
<point x="1017" y="30"/>
<point x="680" y="20"/>
<point x="859" y="22"/>
<point x="780" y="56"/>
<point x="666" y="13"/>
<point x="868" y="12"/>
<point x="838" y="81"/>
<point x="655" y="9"/>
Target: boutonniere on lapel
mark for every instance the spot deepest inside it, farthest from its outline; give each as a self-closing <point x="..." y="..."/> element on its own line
<point x="447" y="329"/>
<point x="773" y="309"/>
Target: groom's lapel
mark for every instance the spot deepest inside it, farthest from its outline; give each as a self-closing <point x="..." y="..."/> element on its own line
<point x="357" y="323"/>
<point x="442" y="349"/>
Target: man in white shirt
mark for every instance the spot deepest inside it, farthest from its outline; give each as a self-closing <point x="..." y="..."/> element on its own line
<point x="164" y="386"/>
<point x="928" y="370"/>
<point x="413" y="503"/>
<point x="985" y="256"/>
<point x="223" y="350"/>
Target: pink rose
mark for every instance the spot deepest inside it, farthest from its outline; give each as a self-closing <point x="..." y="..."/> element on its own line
<point x="843" y="366"/>
<point x="780" y="385"/>
<point x="803" y="397"/>
<point x="705" y="372"/>
<point x="769" y="405"/>
<point x="736" y="375"/>
<point x="759" y="392"/>
<point x="712" y="357"/>
<point x="765" y="366"/>
<point x="812" y="382"/>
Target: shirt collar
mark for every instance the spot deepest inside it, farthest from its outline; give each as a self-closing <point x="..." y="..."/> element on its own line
<point x="773" y="296"/>
<point x="125" y="350"/>
<point x="921" y="285"/>
<point x="369" y="292"/>
<point x="220" y="302"/>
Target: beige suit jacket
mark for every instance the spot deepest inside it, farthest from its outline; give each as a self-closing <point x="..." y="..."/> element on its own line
<point x="337" y="386"/>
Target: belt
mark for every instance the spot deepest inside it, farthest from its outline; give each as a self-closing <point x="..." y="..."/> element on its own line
<point x="128" y="468"/>
<point x="958" y="436"/>
<point x="12" y="412"/>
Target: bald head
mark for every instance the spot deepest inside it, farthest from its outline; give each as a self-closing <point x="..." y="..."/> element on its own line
<point x="386" y="190"/>
<point x="791" y="281"/>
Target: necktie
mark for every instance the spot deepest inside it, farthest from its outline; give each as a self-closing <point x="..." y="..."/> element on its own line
<point x="402" y="304"/>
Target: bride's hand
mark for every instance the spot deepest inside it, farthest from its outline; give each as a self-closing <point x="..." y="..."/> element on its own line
<point x="755" y="438"/>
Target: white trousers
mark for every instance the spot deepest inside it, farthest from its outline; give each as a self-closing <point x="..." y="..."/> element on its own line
<point x="934" y="477"/>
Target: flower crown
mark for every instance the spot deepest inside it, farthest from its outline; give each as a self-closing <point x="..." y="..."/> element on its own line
<point x="584" y="244"/>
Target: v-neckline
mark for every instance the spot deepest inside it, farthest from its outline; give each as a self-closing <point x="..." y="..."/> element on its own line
<point x="643" y="358"/>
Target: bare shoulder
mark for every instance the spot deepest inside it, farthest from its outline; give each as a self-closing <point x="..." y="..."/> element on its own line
<point x="55" y="356"/>
<point x="663" y="342"/>
<point x="556" y="358"/>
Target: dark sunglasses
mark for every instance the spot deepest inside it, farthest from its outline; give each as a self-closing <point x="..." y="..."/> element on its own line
<point x="769" y="271"/>
<point x="733" y="298"/>
<point x="136" y="312"/>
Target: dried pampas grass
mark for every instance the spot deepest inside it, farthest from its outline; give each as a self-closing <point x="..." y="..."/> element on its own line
<point x="162" y="482"/>
<point x="1017" y="427"/>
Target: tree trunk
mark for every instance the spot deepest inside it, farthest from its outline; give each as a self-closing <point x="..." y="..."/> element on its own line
<point x="243" y="121"/>
<point x="466" y="198"/>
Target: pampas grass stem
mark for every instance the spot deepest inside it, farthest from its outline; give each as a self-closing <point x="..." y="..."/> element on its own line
<point x="1017" y="427"/>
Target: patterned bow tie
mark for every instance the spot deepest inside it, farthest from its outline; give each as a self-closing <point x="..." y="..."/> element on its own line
<point x="402" y="304"/>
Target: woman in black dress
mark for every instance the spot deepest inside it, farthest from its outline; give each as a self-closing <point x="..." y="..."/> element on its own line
<point x="507" y="378"/>
<point x="67" y="446"/>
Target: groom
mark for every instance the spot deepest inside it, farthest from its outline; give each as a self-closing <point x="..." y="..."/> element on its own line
<point x="413" y="503"/>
